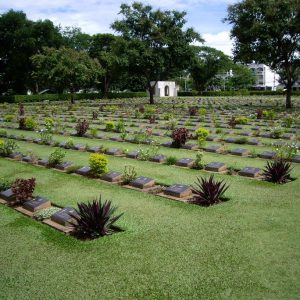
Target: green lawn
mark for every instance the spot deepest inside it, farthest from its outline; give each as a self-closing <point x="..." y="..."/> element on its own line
<point x="247" y="248"/>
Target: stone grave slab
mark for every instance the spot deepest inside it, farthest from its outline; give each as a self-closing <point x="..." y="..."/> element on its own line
<point x="214" y="149"/>
<point x="254" y="142"/>
<point x="16" y="155"/>
<point x="167" y="144"/>
<point x="112" y="176"/>
<point x="8" y="195"/>
<point x="114" y="151"/>
<point x="178" y="191"/>
<point x="43" y="162"/>
<point x="64" y="165"/>
<point x="28" y="139"/>
<point x="296" y="159"/>
<point x="95" y="149"/>
<point x="100" y="136"/>
<point x="116" y="139"/>
<point x="37" y="204"/>
<point x="288" y="136"/>
<point x="79" y="147"/>
<point x="267" y="155"/>
<point x="250" y="172"/>
<point x="239" y="152"/>
<point x="142" y="182"/>
<point x="190" y="146"/>
<point x="84" y="171"/>
<point x="133" y="154"/>
<point x="216" y="167"/>
<point x="266" y="135"/>
<point x="239" y="127"/>
<point x="63" y="217"/>
<point x="28" y="159"/>
<point x="185" y="162"/>
<point x="231" y="140"/>
<point x="62" y="144"/>
<point x="212" y="138"/>
<point x="159" y="158"/>
<point x="37" y="141"/>
<point x="246" y="133"/>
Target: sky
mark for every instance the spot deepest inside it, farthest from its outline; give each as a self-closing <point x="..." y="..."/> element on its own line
<point x="96" y="16"/>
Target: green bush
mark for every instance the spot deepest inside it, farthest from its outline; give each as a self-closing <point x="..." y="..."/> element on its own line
<point x="30" y="123"/>
<point x="7" y="147"/>
<point x="241" y="120"/>
<point x="8" y="118"/>
<point x="98" y="164"/>
<point x="56" y="157"/>
<point x="5" y="184"/>
<point x="202" y="133"/>
<point x="129" y="174"/>
<point x="109" y="126"/>
<point x="3" y="132"/>
<point x="171" y="160"/>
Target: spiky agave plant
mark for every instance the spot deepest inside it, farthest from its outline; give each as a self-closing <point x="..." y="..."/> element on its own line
<point x="208" y="191"/>
<point x="277" y="171"/>
<point x="94" y="219"/>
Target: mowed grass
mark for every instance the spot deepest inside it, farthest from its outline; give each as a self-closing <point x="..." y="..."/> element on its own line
<point x="246" y="248"/>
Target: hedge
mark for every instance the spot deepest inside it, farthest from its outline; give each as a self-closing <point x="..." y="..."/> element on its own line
<point x="237" y="93"/>
<point x="65" y="97"/>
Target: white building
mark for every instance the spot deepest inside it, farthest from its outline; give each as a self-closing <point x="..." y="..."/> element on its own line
<point x="266" y="79"/>
<point x="165" y="89"/>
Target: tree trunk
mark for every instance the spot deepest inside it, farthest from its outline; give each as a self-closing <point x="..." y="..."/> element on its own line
<point x="72" y="95"/>
<point x="151" y="89"/>
<point x="288" y="101"/>
<point x="105" y="87"/>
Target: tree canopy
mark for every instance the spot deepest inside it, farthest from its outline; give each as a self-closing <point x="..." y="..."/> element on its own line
<point x="268" y="32"/>
<point x="158" y="45"/>
<point x="66" y="68"/>
<point x="207" y="63"/>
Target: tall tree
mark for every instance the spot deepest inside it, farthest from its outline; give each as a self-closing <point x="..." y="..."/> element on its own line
<point x="242" y="77"/>
<point x="66" y="68"/>
<point x="207" y="63"/>
<point x="111" y="53"/>
<point x="74" y="38"/>
<point x="158" y="44"/>
<point x="268" y="32"/>
<point x="21" y="38"/>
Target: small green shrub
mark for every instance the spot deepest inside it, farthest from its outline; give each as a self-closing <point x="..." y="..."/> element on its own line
<point x="56" y="157"/>
<point x="5" y="184"/>
<point x="7" y="147"/>
<point x="109" y="126"/>
<point x="69" y="144"/>
<point x="120" y="126"/>
<point x="8" y="118"/>
<point x="199" y="161"/>
<point x="241" y="120"/>
<point x="241" y="140"/>
<point x="171" y="160"/>
<point x="3" y="132"/>
<point x="30" y="123"/>
<point x="276" y="132"/>
<point x="93" y="132"/>
<point x="129" y="174"/>
<point x="98" y="164"/>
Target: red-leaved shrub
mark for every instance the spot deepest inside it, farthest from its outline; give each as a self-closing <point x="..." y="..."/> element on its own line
<point x="82" y="127"/>
<point x="23" y="189"/>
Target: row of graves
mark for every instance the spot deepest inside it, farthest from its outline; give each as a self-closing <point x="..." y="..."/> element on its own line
<point x="256" y="134"/>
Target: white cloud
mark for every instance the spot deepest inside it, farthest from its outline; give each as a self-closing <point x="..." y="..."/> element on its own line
<point x="220" y="41"/>
<point x="92" y="15"/>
